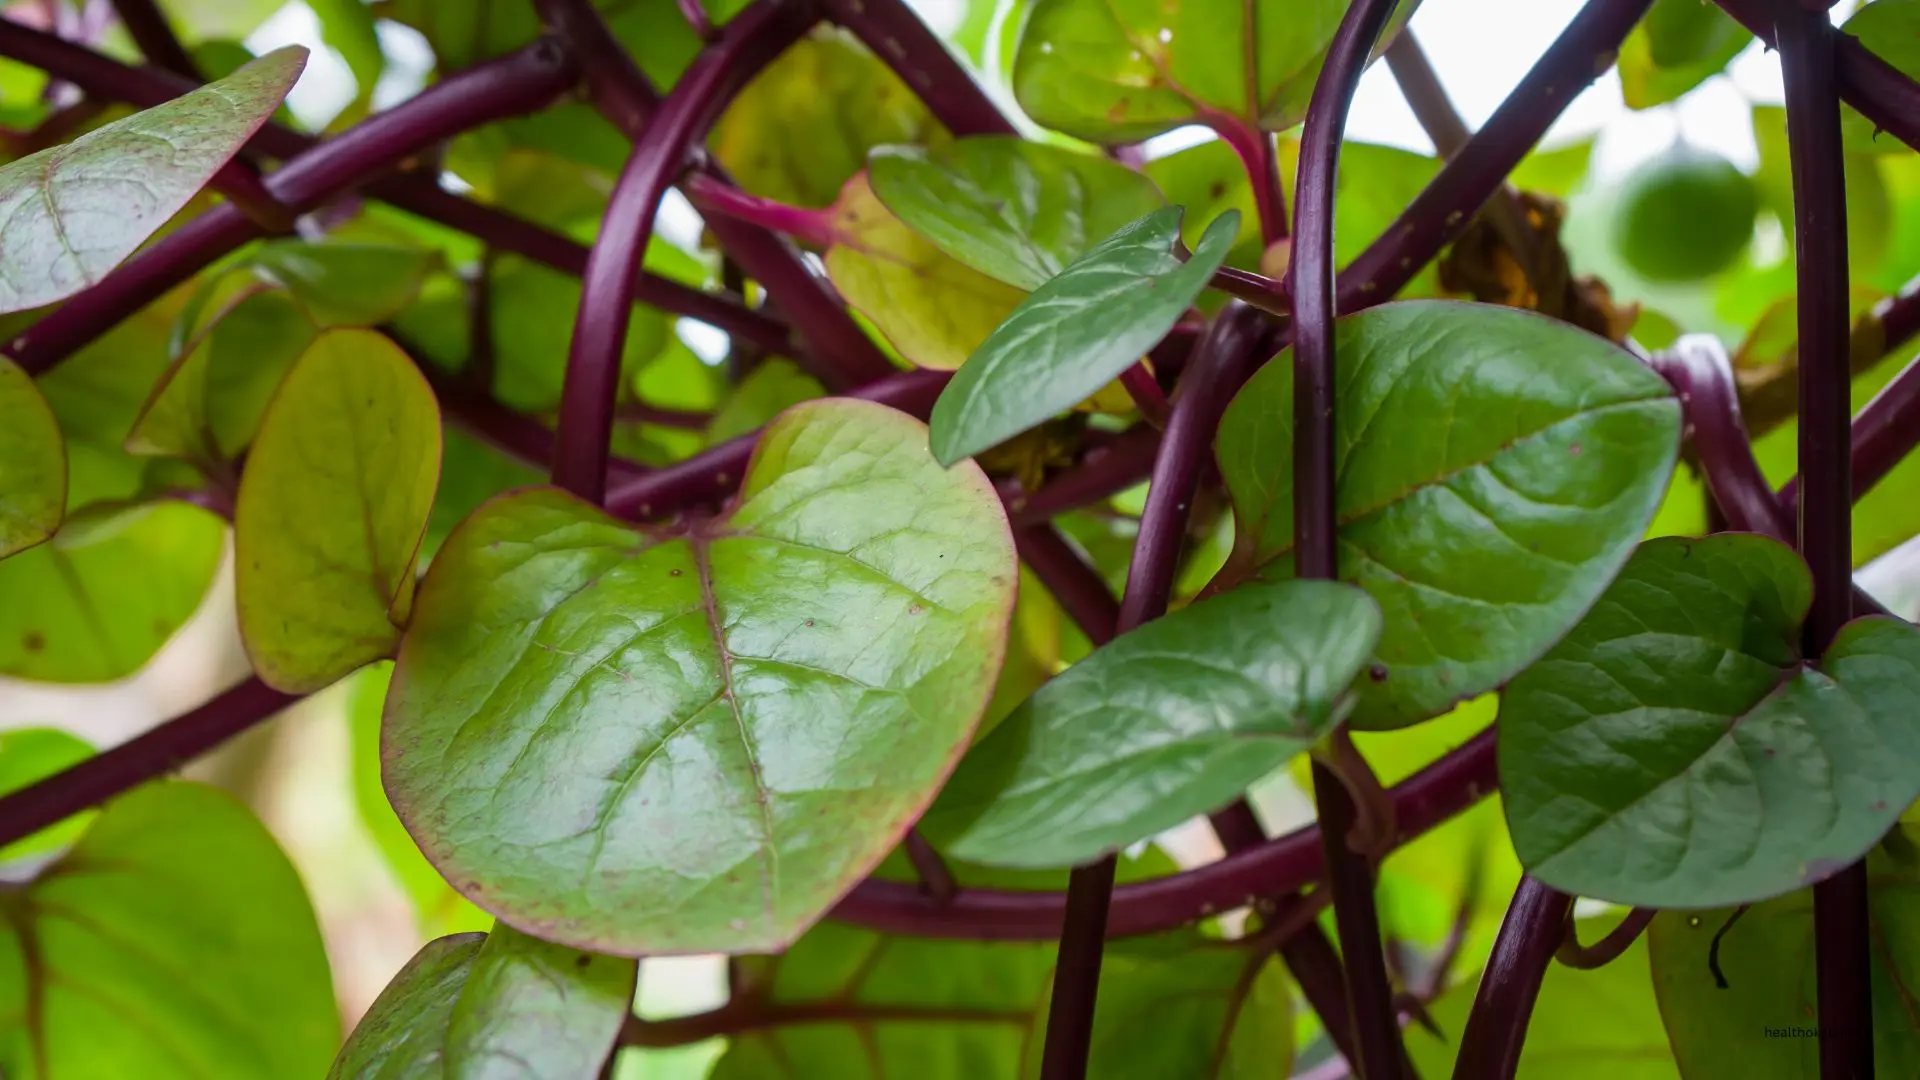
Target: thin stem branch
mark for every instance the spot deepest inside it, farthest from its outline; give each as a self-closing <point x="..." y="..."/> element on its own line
<point x="1441" y="212"/>
<point x="1223" y="362"/>
<point x="753" y="1013"/>
<point x="711" y="196"/>
<point x="1497" y="1027"/>
<point x="1866" y="82"/>
<point x="750" y="41"/>
<point x="1106" y="471"/>
<point x="1376" y="1026"/>
<point x="154" y="38"/>
<point x="1841" y="935"/>
<point x="904" y="43"/>
<point x="507" y="86"/>
<point x="1256" y="152"/>
<point x="142" y="758"/>
<point x="1081" y="592"/>
<point x="1609" y="948"/>
<point x="1256" y="290"/>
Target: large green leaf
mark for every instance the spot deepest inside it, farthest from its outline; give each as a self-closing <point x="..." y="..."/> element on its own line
<point x="1760" y="1024"/>
<point x="1077" y="332"/>
<point x="1675" y="751"/>
<point x="1189" y="1006"/>
<point x="331" y="509"/>
<point x="1678" y="46"/>
<point x="697" y="740"/>
<point x="72" y="212"/>
<point x="1587" y="1025"/>
<point x="804" y="125"/>
<point x="1166" y="722"/>
<point x="933" y="308"/>
<point x="174" y="942"/>
<point x="1494" y="470"/>
<point x="29" y="755"/>
<point x="33" y="463"/>
<point x="1122" y="72"/>
<point x="98" y="600"/>
<point x="1017" y="211"/>
<point x="472" y="1006"/>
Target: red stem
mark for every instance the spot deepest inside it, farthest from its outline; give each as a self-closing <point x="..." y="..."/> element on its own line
<point x="904" y="43"/>
<point x="1497" y="1027"/>
<point x="1840" y="922"/>
<point x="711" y="196"/>
<point x="1376" y="1025"/>
<point x="749" y="43"/>
<point x="513" y="84"/>
<point x="1146" y="394"/>
<point x="1256" y="151"/>
<point x="1262" y="292"/>
<point x="1441" y="212"/>
<point x="1104" y="473"/>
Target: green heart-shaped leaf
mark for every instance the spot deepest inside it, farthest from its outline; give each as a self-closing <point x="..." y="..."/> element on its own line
<point x="1674" y="751"/>
<point x="1077" y="332"/>
<point x="98" y="600"/>
<point x="698" y="740"/>
<point x="1122" y="72"/>
<point x="1017" y="211"/>
<point x="804" y="125"/>
<point x="931" y="307"/>
<point x="173" y="942"/>
<point x="33" y="463"/>
<point x="331" y="509"/>
<point x="1495" y="468"/>
<point x="72" y="212"/>
<point x="1169" y="721"/>
<point x="472" y="1006"/>
<point x="1760" y="1024"/>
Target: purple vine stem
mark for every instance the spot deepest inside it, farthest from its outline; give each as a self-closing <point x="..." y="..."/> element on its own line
<point x="748" y="43"/>
<point x="1376" y="1025"/>
<point x="1866" y="82"/>
<point x="1840" y="919"/>
<point x="1229" y="353"/>
<point x="1256" y="152"/>
<point x="154" y="38"/>
<point x="1081" y="592"/>
<point x="809" y="226"/>
<point x="146" y="87"/>
<point x="1442" y="211"/>
<point x="511" y="85"/>
<point x="921" y="60"/>
<point x="1496" y="1029"/>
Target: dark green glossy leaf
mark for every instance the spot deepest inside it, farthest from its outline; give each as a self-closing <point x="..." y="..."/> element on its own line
<point x="174" y="942"/>
<point x="1495" y="469"/>
<point x="28" y="755"/>
<point x="696" y="741"/>
<point x="1679" y="45"/>
<point x="98" y="600"/>
<point x="72" y="212"/>
<point x="1673" y="750"/>
<point x="1189" y="1006"/>
<point x="1118" y="73"/>
<point x="932" y="307"/>
<point x="803" y="126"/>
<point x="33" y="463"/>
<point x="1017" y="211"/>
<point x="1587" y="1025"/>
<point x="1171" y="720"/>
<point x="772" y="387"/>
<point x="1760" y="1024"/>
<point x="1077" y="333"/>
<point x="331" y="509"/>
<point x="472" y="1006"/>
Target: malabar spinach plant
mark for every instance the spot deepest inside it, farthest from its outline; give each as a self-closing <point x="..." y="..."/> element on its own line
<point x="1038" y="491"/>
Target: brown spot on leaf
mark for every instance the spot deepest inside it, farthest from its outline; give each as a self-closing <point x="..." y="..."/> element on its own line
<point x="34" y="641"/>
<point x="582" y="960"/>
<point x="1574" y="450"/>
<point x="1378" y="673"/>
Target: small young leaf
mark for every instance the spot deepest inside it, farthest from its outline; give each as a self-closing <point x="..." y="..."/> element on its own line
<point x="331" y="509"/>
<point x="804" y="125"/>
<point x="1674" y="751"/>
<point x="1119" y="73"/>
<point x="27" y="756"/>
<point x="1169" y="721"/>
<point x="173" y="942"/>
<point x="1495" y="468"/>
<point x="72" y="212"/>
<point x="932" y="307"/>
<point x="349" y="284"/>
<point x="1759" y="1024"/>
<point x="472" y="1006"/>
<point x="1077" y="332"/>
<point x="33" y="463"/>
<point x="98" y="600"/>
<point x="698" y="740"/>
<point x="1017" y="211"/>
